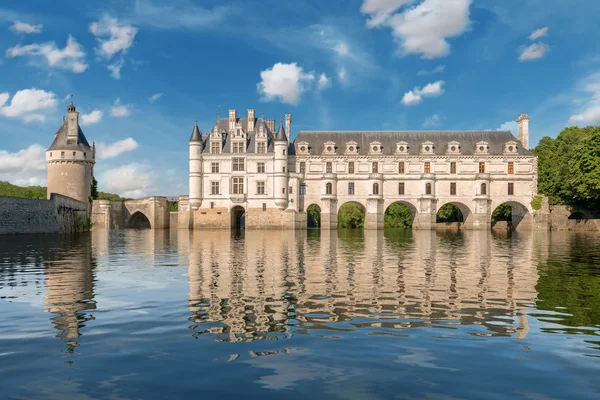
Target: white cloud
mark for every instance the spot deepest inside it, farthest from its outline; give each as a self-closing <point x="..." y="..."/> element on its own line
<point x="25" y="167"/>
<point x="71" y="57"/>
<point x="284" y="82"/>
<point x="152" y="99"/>
<point x="92" y="118"/>
<point x="120" y="110"/>
<point x="432" y="121"/>
<point x="341" y="48"/>
<point x="113" y="37"/>
<point x="415" y="96"/>
<point x="323" y="82"/>
<point x="131" y="180"/>
<point x="534" y="51"/>
<point x="179" y="14"/>
<point x="28" y="104"/>
<point x="424" y="28"/>
<point x="538" y="33"/>
<point x="436" y="70"/>
<point x="509" y="126"/>
<point x="342" y="74"/>
<point x="115" y="149"/>
<point x="590" y="97"/>
<point x="23" y="27"/>
<point x="115" y="68"/>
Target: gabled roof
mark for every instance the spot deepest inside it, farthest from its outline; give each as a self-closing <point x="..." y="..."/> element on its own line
<point x="62" y="142"/>
<point x="414" y="139"/>
<point x="223" y="126"/>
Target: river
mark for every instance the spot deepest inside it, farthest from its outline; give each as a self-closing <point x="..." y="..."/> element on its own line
<point x="283" y="314"/>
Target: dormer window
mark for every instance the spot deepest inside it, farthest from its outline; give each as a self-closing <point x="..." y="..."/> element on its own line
<point x="482" y="148"/>
<point x="215" y="148"/>
<point x="375" y="148"/>
<point x="453" y="148"/>
<point x="239" y="147"/>
<point x="351" y="147"/>
<point x="510" y="147"/>
<point x="261" y="147"/>
<point x="329" y="148"/>
<point x="401" y="148"/>
<point x="427" y="148"/>
<point x="302" y="148"/>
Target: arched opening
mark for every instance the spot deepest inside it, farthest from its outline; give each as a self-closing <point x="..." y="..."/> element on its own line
<point x="138" y="221"/>
<point x="453" y="215"/>
<point x="483" y="189"/>
<point x="238" y="218"/>
<point x="328" y="188"/>
<point x="509" y="215"/>
<point x="578" y="215"/>
<point x="376" y="188"/>
<point x="399" y="215"/>
<point x="313" y="217"/>
<point x="351" y="216"/>
<point x="428" y="188"/>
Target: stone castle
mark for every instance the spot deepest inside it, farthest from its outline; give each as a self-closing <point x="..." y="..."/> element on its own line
<point x="245" y="172"/>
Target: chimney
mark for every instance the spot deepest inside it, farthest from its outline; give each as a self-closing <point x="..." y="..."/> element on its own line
<point x="271" y="125"/>
<point x="250" y="120"/>
<point x="232" y="119"/>
<point x="523" y="130"/>
<point x="288" y="126"/>
<point x="72" y="123"/>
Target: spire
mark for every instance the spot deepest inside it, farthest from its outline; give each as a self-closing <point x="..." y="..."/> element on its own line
<point x="196" y="134"/>
<point x="281" y="133"/>
<point x="71" y="107"/>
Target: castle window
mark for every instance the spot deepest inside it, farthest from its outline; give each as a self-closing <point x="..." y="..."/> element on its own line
<point x="511" y="167"/>
<point x="511" y="189"/>
<point x="214" y="188"/>
<point x="238" y="164"/>
<point x="351" y="167"/>
<point x="401" y="167"/>
<point x="260" y="188"/>
<point x="239" y="147"/>
<point x="214" y="167"/>
<point x="453" y="167"/>
<point x="62" y="154"/>
<point x="264" y="206"/>
<point x="328" y="168"/>
<point x="212" y="204"/>
<point x="261" y="147"/>
<point x="328" y="188"/>
<point x="428" y="188"/>
<point x="74" y="154"/>
<point x="50" y="154"/>
<point x="376" y="188"/>
<point x="453" y="188"/>
<point x="303" y="189"/>
<point x="481" y="167"/>
<point x="238" y="185"/>
<point x="284" y="152"/>
<point x="260" y="167"/>
<point x="427" y="167"/>
<point x="291" y="190"/>
<point x="302" y="167"/>
<point x="215" y="148"/>
<point x="483" y="189"/>
<point x="375" y="167"/>
<point x="351" y="188"/>
<point x="401" y="188"/>
<point x="283" y="169"/>
<point x="282" y="190"/>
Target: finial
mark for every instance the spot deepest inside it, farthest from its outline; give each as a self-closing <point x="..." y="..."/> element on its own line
<point x="196" y="120"/>
<point x="219" y="114"/>
<point x="263" y="112"/>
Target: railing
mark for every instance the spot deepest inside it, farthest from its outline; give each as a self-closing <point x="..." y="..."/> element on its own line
<point x="238" y="198"/>
<point x="376" y="175"/>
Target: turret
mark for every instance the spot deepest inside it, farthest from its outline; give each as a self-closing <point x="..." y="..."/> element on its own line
<point x="523" y="130"/>
<point x="195" y="182"/>
<point x="71" y="160"/>
<point x="280" y="145"/>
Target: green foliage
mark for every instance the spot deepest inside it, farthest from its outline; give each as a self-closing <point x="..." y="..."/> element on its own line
<point x="398" y="215"/>
<point x="569" y="167"/>
<point x="502" y="213"/>
<point x="94" y="189"/>
<point x="449" y="213"/>
<point x="313" y="215"/>
<point x="173" y="205"/>
<point x="351" y="215"/>
<point x="111" y="197"/>
<point x="28" y="192"/>
<point x="536" y="203"/>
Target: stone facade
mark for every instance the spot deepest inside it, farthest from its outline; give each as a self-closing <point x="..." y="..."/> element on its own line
<point x="242" y="172"/>
<point x="149" y="212"/>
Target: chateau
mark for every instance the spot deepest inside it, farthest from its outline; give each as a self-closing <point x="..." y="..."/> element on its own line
<point x="245" y="172"/>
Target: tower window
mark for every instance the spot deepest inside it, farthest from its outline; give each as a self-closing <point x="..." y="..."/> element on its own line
<point x="351" y="188"/>
<point x="376" y="188"/>
<point x="401" y="167"/>
<point x="511" y="189"/>
<point x="401" y="188"/>
<point x="483" y="188"/>
<point x="481" y="167"/>
<point x="453" y="167"/>
<point x="302" y="167"/>
<point x="328" y="167"/>
<point x="453" y="188"/>
<point x="328" y="188"/>
<point x="511" y="167"/>
<point x="428" y="188"/>
<point x="351" y="167"/>
<point x="427" y="167"/>
<point x="303" y="189"/>
<point x="375" y="167"/>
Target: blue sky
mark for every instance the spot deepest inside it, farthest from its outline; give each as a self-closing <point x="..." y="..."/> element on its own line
<point x="142" y="70"/>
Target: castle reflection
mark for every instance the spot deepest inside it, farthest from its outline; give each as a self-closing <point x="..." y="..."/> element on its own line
<point x="273" y="284"/>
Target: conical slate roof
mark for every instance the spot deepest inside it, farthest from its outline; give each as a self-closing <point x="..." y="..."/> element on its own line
<point x="280" y="136"/>
<point x="196" y="134"/>
<point x="62" y="142"/>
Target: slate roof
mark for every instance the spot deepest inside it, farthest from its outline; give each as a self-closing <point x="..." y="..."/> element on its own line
<point x="196" y="134"/>
<point x="62" y="142"/>
<point x="222" y="126"/>
<point x="414" y="139"/>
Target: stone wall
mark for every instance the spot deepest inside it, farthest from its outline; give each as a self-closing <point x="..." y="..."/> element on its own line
<point x="107" y="214"/>
<point x="213" y="218"/>
<point x="59" y="214"/>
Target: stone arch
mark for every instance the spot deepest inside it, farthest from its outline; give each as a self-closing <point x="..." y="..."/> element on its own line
<point x="413" y="209"/>
<point x="519" y="216"/>
<point x="238" y="217"/>
<point x="313" y="216"/>
<point x="139" y="220"/>
<point x="578" y="215"/>
<point x="467" y="214"/>
<point x="350" y="203"/>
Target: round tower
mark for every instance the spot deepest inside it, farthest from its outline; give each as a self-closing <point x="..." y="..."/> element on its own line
<point x="280" y="145"/>
<point x="196" y="168"/>
<point x="71" y="160"/>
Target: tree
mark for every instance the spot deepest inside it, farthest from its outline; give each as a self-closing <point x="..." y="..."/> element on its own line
<point x="173" y="206"/>
<point x="449" y="213"/>
<point x="398" y="215"/>
<point x="584" y="170"/>
<point x="351" y="215"/>
<point x="94" y="189"/>
<point x="313" y="215"/>
<point x="502" y="213"/>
